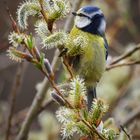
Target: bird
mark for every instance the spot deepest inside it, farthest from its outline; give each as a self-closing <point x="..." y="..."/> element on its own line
<point x="89" y="63"/>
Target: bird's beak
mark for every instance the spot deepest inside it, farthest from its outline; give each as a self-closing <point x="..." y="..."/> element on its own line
<point x="74" y="13"/>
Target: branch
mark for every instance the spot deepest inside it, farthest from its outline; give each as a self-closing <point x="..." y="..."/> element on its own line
<point x="54" y="86"/>
<point x="93" y="129"/>
<point x="68" y="67"/>
<point x="125" y="55"/>
<point x="16" y="84"/>
<point x="36" y="105"/>
<point x="44" y="14"/>
<point x="14" y="24"/>
<point x="122" y="64"/>
<point x="126" y="133"/>
<point x="37" y="102"/>
<point x="14" y="91"/>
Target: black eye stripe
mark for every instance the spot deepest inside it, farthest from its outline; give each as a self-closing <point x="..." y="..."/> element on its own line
<point x="82" y="15"/>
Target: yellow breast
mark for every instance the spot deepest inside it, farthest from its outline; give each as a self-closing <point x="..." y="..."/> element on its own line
<point x="92" y="61"/>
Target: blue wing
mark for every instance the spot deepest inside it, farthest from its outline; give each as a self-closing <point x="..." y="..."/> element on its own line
<point x="106" y="46"/>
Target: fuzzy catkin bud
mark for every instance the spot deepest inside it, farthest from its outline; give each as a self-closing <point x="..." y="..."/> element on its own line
<point x="18" y="55"/>
<point x="58" y="98"/>
<point x="26" y="9"/>
<point x="48" y="68"/>
<point x="37" y="53"/>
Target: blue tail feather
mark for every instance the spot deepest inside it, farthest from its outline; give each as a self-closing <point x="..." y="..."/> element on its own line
<point x="91" y="94"/>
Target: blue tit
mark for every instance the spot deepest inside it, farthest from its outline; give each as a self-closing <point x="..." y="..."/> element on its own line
<point x="89" y="63"/>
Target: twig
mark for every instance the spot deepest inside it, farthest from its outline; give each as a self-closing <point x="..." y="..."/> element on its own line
<point x="126" y="133"/>
<point x="125" y="55"/>
<point x="44" y="14"/>
<point x="14" y="24"/>
<point x="37" y="102"/>
<point x="58" y="92"/>
<point x="68" y="67"/>
<point x="93" y="129"/>
<point x="15" y="27"/>
<point x="122" y="64"/>
<point x="36" y="105"/>
<point x="14" y="91"/>
<point x="54" y="86"/>
<point x="16" y="84"/>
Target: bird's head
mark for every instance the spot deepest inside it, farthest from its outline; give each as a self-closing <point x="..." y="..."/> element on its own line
<point x="90" y="19"/>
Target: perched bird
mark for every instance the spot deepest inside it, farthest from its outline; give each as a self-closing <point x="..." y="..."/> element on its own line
<point x="89" y="62"/>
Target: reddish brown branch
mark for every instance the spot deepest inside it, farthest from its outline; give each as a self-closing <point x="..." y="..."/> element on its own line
<point x="53" y="84"/>
<point x="44" y="14"/>
<point x="14" y="24"/>
<point x="65" y="62"/>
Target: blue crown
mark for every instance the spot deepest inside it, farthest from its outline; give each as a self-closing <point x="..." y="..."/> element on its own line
<point x="90" y="9"/>
<point x="97" y="26"/>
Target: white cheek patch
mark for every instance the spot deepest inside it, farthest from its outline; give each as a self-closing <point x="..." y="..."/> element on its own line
<point x="81" y="22"/>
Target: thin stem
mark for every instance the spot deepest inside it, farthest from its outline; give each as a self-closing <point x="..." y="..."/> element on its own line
<point x="93" y="129"/>
<point x="14" y="91"/>
<point x="57" y="90"/>
<point x="14" y="24"/>
<point x="125" y="55"/>
<point x="126" y="133"/>
<point x="122" y="64"/>
<point x="16" y="84"/>
<point x="44" y="14"/>
<point x="68" y="67"/>
<point x="34" y="52"/>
